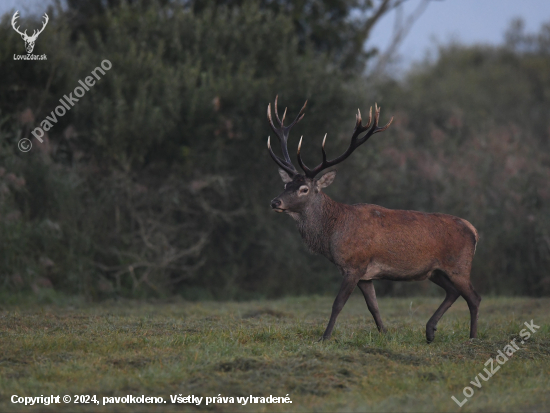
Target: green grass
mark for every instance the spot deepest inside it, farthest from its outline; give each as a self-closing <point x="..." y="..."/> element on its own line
<point x="267" y="348"/>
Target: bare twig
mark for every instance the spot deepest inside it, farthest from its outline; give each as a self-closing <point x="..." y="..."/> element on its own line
<point x="402" y="27"/>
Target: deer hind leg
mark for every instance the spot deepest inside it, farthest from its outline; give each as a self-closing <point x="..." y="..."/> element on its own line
<point x="451" y="296"/>
<point x="347" y="287"/>
<point x="367" y="288"/>
<point x="466" y="290"/>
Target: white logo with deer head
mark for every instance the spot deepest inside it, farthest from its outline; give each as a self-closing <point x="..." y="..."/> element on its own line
<point x="29" y="40"/>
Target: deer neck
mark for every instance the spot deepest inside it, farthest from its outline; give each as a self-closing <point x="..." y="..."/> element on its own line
<point x="316" y="224"/>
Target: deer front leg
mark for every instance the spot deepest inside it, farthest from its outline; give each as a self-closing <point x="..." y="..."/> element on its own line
<point x="367" y="288"/>
<point x="347" y="287"/>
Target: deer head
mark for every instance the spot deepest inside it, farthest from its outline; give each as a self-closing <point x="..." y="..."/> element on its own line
<point x="302" y="189"/>
<point x="29" y="40"/>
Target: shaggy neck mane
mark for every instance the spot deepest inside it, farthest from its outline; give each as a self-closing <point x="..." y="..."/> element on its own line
<point x="316" y="224"/>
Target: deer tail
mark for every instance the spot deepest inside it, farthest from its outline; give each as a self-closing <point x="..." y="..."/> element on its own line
<point x="474" y="233"/>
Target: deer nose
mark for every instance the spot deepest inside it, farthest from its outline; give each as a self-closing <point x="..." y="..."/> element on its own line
<point x="276" y="203"/>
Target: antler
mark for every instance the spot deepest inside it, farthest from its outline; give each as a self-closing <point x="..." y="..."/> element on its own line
<point x="35" y="32"/>
<point x="354" y="144"/>
<point x="13" y="19"/>
<point x="282" y="133"/>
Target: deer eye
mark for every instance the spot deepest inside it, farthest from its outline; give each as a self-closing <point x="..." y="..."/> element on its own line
<point x="304" y="190"/>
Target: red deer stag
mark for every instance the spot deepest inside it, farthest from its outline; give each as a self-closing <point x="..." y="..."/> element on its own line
<point x="368" y="242"/>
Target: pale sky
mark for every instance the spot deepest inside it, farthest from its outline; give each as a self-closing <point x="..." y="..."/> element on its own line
<point x="467" y="21"/>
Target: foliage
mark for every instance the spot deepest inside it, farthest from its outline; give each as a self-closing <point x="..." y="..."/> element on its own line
<point x="338" y="28"/>
<point x="158" y="180"/>
<point x="472" y="137"/>
<point x="153" y="147"/>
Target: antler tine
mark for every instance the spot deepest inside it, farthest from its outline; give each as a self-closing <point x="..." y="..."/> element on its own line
<point x="13" y="23"/>
<point x="312" y="172"/>
<point x="386" y="126"/>
<point x="323" y="148"/>
<point x="37" y="32"/>
<point x="301" y="114"/>
<point x="282" y="131"/>
<point x="354" y="144"/>
<point x="277" y="112"/>
<point x="300" y="162"/>
<point x="282" y="164"/>
<point x="376" y="118"/>
<point x="359" y="123"/>
<point x="370" y="118"/>
<point x="282" y="134"/>
<point x="269" y="117"/>
<point x="277" y="131"/>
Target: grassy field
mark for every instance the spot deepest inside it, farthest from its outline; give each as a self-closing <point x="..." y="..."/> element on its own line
<point x="267" y="348"/>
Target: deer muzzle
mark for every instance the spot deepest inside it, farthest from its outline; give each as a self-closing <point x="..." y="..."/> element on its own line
<point x="277" y="205"/>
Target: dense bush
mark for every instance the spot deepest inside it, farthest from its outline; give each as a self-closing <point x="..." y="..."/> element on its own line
<point x="166" y="155"/>
<point x="158" y="180"/>
<point x="472" y="139"/>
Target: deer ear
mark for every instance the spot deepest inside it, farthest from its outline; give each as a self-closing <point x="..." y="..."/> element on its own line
<point x="325" y="180"/>
<point x="284" y="176"/>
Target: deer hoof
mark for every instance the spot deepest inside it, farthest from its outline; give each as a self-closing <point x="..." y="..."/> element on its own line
<point x="430" y="334"/>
